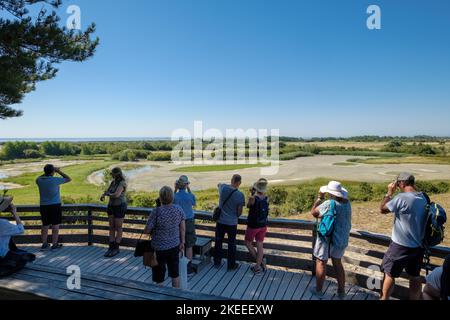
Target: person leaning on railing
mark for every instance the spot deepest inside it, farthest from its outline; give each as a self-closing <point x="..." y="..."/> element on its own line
<point x="166" y="225"/>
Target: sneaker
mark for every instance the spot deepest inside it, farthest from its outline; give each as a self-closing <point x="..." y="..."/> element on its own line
<point x="318" y="294"/>
<point x="233" y="267"/>
<point x="264" y="265"/>
<point x="108" y="253"/>
<point x="57" y="246"/>
<point x="114" y="251"/>
<point x="256" y="270"/>
<point x="190" y="269"/>
<point x="45" y="247"/>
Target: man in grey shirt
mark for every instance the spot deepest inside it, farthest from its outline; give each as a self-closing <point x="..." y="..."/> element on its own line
<point x="405" y="251"/>
<point x="231" y="201"/>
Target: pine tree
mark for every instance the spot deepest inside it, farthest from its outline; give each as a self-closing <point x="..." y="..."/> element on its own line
<point x="31" y="46"/>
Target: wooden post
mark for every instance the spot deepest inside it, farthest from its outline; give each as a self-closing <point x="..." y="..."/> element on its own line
<point x="90" y="229"/>
<point x="314" y="237"/>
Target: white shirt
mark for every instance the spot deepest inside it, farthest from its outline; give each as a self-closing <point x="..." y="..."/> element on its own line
<point x="7" y="230"/>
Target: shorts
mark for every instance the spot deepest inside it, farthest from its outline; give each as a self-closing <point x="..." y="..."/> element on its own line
<point x="258" y="234"/>
<point x="167" y="259"/>
<point x="51" y="215"/>
<point x="117" y="211"/>
<point x="191" y="238"/>
<point x="399" y="258"/>
<point x="324" y="250"/>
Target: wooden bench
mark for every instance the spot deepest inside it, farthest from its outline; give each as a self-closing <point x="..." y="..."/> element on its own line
<point x="202" y="253"/>
<point x="51" y="283"/>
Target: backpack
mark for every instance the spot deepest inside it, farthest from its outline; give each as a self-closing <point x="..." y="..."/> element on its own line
<point x="436" y="217"/>
<point x="326" y="226"/>
<point x="262" y="211"/>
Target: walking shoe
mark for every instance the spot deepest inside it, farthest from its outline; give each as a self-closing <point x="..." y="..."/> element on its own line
<point x="115" y="250"/>
<point x="45" y="247"/>
<point x="190" y="269"/>
<point x="233" y="267"/>
<point x="256" y="270"/>
<point x="264" y="264"/>
<point x="57" y="246"/>
<point x="108" y="253"/>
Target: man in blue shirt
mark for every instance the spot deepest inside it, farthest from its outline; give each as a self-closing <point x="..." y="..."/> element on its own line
<point x="186" y="200"/>
<point x="405" y="251"/>
<point x="231" y="201"/>
<point x="50" y="203"/>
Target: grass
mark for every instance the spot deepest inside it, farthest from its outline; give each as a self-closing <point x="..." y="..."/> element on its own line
<point x="79" y="188"/>
<point x="215" y="168"/>
<point x="406" y="160"/>
<point x="344" y="164"/>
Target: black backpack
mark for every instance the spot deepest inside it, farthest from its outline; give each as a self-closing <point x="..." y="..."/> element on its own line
<point x="261" y="211"/>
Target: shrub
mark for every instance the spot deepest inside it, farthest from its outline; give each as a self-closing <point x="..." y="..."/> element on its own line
<point x="141" y="199"/>
<point x="277" y="195"/>
<point x="32" y="154"/>
<point x="160" y="156"/>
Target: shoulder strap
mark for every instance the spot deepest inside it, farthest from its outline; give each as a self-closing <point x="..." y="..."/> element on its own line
<point x="229" y="197"/>
<point x="427" y="197"/>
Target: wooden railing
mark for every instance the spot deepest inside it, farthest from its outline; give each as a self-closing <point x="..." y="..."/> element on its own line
<point x="288" y="243"/>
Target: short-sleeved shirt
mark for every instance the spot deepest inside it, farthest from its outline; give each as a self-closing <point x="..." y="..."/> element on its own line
<point x="342" y="224"/>
<point x="7" y="230"/>
<point x="186" y="201"/>
<point x="410" y="215"/>
<point x="113" y="188"/>
<point x="164" y="223"/>
<point x="49" y="189"/>
<point x="434" y="279"/>
<point x="229" y="215"/>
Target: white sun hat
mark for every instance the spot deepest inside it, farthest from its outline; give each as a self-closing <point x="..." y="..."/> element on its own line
<point x="335" y="188"/>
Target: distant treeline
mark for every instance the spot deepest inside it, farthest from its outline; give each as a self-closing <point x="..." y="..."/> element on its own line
<point x="161" y="150"/>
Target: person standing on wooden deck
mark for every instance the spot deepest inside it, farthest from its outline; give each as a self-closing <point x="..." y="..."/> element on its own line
<point x="438" y="283"/>
<point x="117" y="208"/>
<point x="50" y="204"/>
<point x="166" y="224"/>
<point x="337" y="212"/>
<point x="258" y="217"/>
<point x="186" y="200"/>
<point x="232" y="202"/>
<point x="405" y="251"/>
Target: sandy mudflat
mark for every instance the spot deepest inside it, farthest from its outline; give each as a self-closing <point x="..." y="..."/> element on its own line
<point x="290" y="172"/>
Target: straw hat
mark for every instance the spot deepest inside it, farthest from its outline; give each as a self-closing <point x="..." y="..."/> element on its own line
<point x="336" y="189"/>
<point x="261" y="185"/>
<point x="5" y="202"/>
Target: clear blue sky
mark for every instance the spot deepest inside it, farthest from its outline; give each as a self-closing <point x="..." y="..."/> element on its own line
<point x="309" y="68"/>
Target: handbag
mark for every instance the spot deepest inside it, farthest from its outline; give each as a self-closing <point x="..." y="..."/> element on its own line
<point x="218" y="210"/>
<point x="145" y="250"/>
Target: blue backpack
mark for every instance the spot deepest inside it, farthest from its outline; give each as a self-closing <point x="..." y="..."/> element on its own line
<point x="326" y="226"/>
<point x="436" y="217"/>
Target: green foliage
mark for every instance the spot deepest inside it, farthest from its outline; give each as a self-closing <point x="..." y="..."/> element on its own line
<point x="130" y="155"/>
<point x="142" y="200"/>
<point x="16" y="150"/>
<point x="30" y="46"/>
<point x="160" y="156"/>
<point x="55" y="148"/>
<point x="415" y="148"/>
<point x="277" y="195"/>
<point x="32" y="154"/>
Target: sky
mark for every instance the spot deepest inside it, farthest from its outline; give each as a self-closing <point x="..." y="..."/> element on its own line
<point x="309" y="68"/>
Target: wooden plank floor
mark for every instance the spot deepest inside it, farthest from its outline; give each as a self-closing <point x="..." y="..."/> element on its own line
<point x="241" y="284"/>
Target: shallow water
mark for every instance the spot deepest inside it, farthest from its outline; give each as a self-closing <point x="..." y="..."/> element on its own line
<point x="129" y="174"/>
